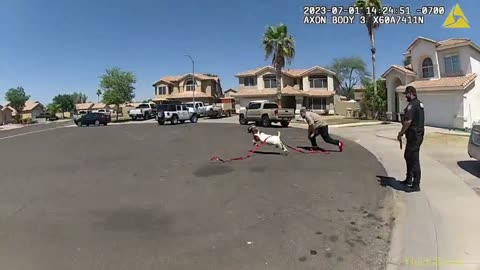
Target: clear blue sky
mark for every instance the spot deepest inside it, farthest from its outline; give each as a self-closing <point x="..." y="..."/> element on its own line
<point x="56" y="46"/>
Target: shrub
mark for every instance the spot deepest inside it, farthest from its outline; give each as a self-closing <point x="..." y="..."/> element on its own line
<point x="373" y="104"/>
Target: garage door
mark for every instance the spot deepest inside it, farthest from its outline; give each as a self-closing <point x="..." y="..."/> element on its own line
<point x="441" y="110"/>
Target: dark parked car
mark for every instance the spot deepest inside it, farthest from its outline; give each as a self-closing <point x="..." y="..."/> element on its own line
<point x="52" y="117"/>
<point x="96" y="119"/>
<point x="474" y="142"/>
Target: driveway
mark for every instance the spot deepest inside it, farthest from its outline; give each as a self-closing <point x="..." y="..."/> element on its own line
<point x="148" y="197"/>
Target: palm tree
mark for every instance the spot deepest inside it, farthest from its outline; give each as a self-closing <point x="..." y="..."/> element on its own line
<point x="99" y="93"/>
<point x="53" y="108"/>
<point x="370" y="9"/>
<point x="281" y="47"/>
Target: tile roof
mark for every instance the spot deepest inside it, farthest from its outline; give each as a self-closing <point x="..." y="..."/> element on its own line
<point x="452" y="42"/>
<point x="399" y="68"/>
<point x="255" y="93"/>
<point x="287" y="91"/>
<point x="30" y="105"/>
<point x="230" y="90"/>
<point x="9" y="108"/>
<point x="295" y="72"/>
<point x="84" y="106"/>
<point x="289" y="72"/>
<point x="451" y="83"/>
<point x="100" y="105"/>
<point x="188" y="94"/>
<point x="198" y="76"/>
<point x="445" y="44"/>
<point x="319" y="93"/>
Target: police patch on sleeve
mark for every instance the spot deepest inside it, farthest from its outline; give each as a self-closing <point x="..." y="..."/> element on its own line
<point x="421" y="105"/>
<point x="409" y="107"/>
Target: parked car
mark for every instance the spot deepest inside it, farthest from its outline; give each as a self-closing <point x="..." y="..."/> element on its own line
<point x="174" y="114"/>
<point x="200" y="108"/>
<point x="225" y="107"/>
<point x="474" y="142"/>
<point x="264" y="113"/>
<point x="95" y="119"/>
<point x="79" y="115"/>
<point x="52" y="117"/>
<point x="105" y="111"/>
<point x="143" y="110"/>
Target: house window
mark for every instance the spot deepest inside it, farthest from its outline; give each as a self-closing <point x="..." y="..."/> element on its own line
<point x="427" y="68"/>
<point x="452" y="65"/>
<point x="316" y="103"/>
<point x="162" y="90"/>
<point x="270" y="81"/>
<point x="318" y="81"/>
<point x="189" y="86"/>
<point x="250" y="81"/>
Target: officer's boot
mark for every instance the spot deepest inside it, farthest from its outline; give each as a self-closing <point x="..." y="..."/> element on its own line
<point x="408" y="180"/>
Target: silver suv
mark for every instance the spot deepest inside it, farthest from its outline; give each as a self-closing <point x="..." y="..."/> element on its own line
<point x="474" y="143"/>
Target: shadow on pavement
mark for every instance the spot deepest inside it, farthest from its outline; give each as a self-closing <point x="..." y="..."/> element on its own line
<point x="309" y="148"/>
<point x="471" y="166"/>
<point x="392" y="182"/>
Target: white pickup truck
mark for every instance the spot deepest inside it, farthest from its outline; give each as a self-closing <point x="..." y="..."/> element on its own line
<point x="143" y="110"/>
<point x="264" y="113"/>
<point x="200" y="108"/>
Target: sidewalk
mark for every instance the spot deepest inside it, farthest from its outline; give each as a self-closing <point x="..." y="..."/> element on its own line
<point x="441" y="223"/>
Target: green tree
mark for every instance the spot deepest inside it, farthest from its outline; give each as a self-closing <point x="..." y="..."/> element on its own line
<point x="65" y="103"/>
<point x="147" y="100"/>
<point x="53" y="108"/>
<point x="99" y="93"/>
<point x="372" y="104"/>
<point x="280" y="46"/>
<point x="350" y="71"/>
<point x="370" y="9"/>
<point x="79" y="98"/>
<point x="117" y="86"/>
<point x="16" y="98"/>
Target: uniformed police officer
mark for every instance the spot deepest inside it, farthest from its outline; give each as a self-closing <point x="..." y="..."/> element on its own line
<point x="413" y="128"/>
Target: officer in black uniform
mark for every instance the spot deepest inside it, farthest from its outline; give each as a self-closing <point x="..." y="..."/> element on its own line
<point x="413" y="128"/>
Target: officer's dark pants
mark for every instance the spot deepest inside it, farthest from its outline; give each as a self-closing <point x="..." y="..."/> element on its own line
<point x="323" y="131"/>
<point x="412" y="156"/>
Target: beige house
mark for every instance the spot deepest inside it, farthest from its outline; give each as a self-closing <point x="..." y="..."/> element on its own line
<point x="100" y="106"/>
<point x="313" y="88"/>
<point x="7" y="115"/>
<point x="445" y="74"/>
<point x="84" y="106"/>
<point x="358" y="92"/>
<point x="207" y="88"/>
<point x="228" y="92"/>
<point x="32" y="109"/>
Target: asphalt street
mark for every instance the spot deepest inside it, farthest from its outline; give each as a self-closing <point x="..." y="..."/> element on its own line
<point x="148" y="197"/>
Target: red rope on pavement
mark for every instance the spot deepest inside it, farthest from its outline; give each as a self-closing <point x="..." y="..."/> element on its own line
<point x="251" y="152"/>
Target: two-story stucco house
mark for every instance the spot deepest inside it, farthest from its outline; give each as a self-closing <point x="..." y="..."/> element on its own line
<point x="207" y="88"/>
<point x="313" y="88"/>
<point x="445" y="74"/>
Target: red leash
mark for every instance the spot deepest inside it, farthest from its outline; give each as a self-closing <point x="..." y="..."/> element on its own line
<point x="251" y="152"/>
<point x="258" y="146"/>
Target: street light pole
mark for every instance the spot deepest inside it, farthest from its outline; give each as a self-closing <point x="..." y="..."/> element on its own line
<point x="194" y="83"/>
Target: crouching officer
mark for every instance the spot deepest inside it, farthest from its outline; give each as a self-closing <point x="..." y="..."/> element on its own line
<point x="413" y="128"/>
